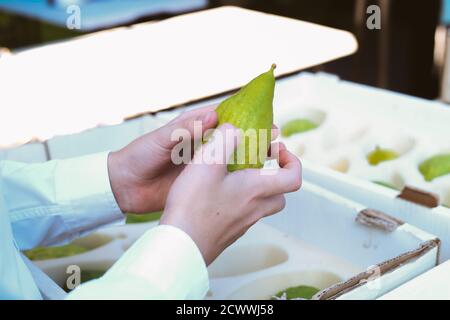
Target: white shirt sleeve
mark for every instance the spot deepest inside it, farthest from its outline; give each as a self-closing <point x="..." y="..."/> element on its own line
<point x="164" y="263"/>
<point x="53" y="202"/>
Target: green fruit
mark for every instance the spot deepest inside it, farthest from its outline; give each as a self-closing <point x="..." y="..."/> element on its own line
<point x="141" y="218"/>
<point x="250" y="108"/>
<point x="436" y="166"/>
<point x="385" y="184"/>
<point x="45" y="253"/>
<point x="297" y="126"/>
<point x="302" y="292"/>
<point x="87" y="275"/>
<point x="380" y="155"/>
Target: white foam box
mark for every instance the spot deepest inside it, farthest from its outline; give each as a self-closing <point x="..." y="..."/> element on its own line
<point x="353" y="120"/>
<point x="320" y="239"/>
<point x="105" y="247"/>
<point x="102" y="138"/>
<point x="31" y="152"/>
<point x="323" y="240"/>
<point x="431" y="285"/>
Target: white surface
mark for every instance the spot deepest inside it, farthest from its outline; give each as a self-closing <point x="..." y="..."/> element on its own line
<point x="29" y="153"/>
<point x="107" y="138"/>
<point x="102" y="78"/>
<point x="435" y="221"/>
<point x="432" y="285"/>
<point x="357" y="118"/>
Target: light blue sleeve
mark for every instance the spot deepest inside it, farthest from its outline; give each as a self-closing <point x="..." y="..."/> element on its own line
<point x="53" y="202"/>
<point x="164" y="263"/>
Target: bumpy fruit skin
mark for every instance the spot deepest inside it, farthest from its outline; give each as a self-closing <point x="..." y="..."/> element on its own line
<point x="435" y="167"/>
<point x="297" y="126"/>
<point x="299" y="292"/>
<point x="250" y="108"/>
<point x="380" y="155"/>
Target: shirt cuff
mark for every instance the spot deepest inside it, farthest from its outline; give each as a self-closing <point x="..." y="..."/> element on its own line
<point x="168" y="261"/>
<point x="56" y="201"/>
<point x="83" y="183"/>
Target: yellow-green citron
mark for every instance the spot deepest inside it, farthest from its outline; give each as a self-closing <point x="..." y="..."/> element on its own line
<point x="435" y="167"/>
<point x="381" y="155"/>
<point x="45" y="253"/>
<point x="250" y="109"/>
<point x="297" y="126"/>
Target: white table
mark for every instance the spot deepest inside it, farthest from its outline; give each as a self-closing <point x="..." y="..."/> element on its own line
<point x="111" y="75"/>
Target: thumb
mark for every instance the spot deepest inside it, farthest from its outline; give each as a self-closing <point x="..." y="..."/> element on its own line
<point x="220" y="147"/>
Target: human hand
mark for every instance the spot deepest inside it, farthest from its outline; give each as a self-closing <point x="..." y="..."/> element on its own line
<point x="215" y="207"/>
<point x="142" y="173"/>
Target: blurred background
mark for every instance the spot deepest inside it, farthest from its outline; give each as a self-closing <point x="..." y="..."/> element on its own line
<point x="406" y="56"/>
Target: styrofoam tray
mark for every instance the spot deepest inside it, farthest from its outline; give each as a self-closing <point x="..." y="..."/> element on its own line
<point x="314" y="241"/>
<point x="354" y="119"/>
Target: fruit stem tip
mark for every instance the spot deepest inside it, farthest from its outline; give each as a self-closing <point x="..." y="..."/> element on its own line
<point x="273" y="67"/>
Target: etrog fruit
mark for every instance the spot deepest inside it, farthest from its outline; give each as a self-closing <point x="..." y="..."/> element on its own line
<point x="436" y="166"/>
<point x="297" y="126"/>
<point x="250" y="110"/>
<point x="299" y="292"/>
<point x="142" y="218"/>
<point x="380" y="155"/>
<point x="45" y="253"/>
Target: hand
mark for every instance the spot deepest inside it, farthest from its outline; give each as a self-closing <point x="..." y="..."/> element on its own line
<point x="142" y="173"/>
<point x="215" y="207"/>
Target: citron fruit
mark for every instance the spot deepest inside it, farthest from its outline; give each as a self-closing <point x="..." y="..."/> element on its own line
<point x="250" y="109"/>
<point x="297" y="126"/>
<point x="380" y="155"/>
<point x="435" y="167"/>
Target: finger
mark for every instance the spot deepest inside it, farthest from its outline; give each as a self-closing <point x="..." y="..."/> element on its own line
<point x="288" y="178"/>
<point x="193" y="126"/>
<point x="275" y="132"/>
<point x="217" y="152"/>
<point x="274" y="151"/>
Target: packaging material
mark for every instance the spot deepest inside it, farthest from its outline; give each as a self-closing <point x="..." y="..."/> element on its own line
<point x="29" y="153"/>
<point x="434" y="220"/>
<point x="370" y="260"/>
<point x="320" y="239"/>
<point x="353" y="120"/>
<point x="106" y="138"/>
<point x="432" y="285"/>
